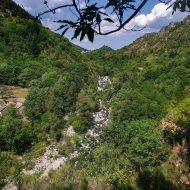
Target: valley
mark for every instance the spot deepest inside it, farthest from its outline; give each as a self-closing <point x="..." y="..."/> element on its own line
<point x="104" y="119"/>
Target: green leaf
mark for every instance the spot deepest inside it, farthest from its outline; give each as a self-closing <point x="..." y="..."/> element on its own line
<point x="77" y="32"/>
<point x="109" y="20"/>
<point x="66" y="22"/>
<point x="82" y="35"/>
<point x="183" y="6"/>
<point x="90" y="34"/>
<point x="188" y="4"/>
<point x="98" y="18"/>
<point x="61" y="27"/>
<point x="64" y="31"/>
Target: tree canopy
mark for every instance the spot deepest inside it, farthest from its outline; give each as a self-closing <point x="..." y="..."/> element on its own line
<point x="90" y="16"/>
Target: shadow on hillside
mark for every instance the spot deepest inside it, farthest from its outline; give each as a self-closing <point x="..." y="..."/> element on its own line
<point x="148" y="180"/>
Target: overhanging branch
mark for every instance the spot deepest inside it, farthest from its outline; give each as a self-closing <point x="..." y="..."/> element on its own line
<point x="128" y="20"/>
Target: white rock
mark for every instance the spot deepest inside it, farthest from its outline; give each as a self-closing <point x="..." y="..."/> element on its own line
<point x="70" y="131"/>
<point x="103" y="81"/>
<point x="50" y="160"/>
<point x="10" y="186"/>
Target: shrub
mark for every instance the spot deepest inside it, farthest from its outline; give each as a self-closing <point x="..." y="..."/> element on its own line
<point x="80" y="124"/>
<point x="10" y="167"/>
<point x="14" y="135"/>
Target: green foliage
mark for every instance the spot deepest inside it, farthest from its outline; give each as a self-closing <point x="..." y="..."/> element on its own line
<point x="4" y="91"/>
<point x="86" y="101"/>
<point x="10" y="167"/>
<point x="34" y="106"/>
<point x="51" y="98"/>
<point x="85" y="106"/>
<point x="27" y="50"/>
<point x="83" y="184"/>
<point x="144" y="85"/>
<point x="35" y="152"/>
<point x="132" y="104"/>
<point x="180" y="114"/>
<point x="148" y="77"/>
<point x="126" y="149"/>
<point x="178" y="119"/>
<point x="80" y="124"/>
<point x="140" y="141"/>
<point x="28" y="182"/>
<point x="14" y="135"/>
<point x="14" y="9"/>
<point x="68" y="146"/>
<point x="64" y="95"/>
<point x="66" y="178"/>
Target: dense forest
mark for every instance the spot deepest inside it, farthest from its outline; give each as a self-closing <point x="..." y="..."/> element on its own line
<point x="135" y="101"/>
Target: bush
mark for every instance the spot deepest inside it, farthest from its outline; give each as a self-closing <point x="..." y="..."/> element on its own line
<point x="14" y="135"/>
<point x="67" y="147"/>
<point x="180" y="114"/>
<point x="140" y="140"/>
<point x="83" y="185"/>
<point x="80" y="124"/>
<point x="10" y="167"/>
<point x="177" y="122"/>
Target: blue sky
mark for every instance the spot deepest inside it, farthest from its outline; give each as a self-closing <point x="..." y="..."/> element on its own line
<point x="153" y="17"/>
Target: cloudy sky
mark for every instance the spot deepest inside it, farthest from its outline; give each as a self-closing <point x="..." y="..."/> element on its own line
<point x="153" y="17"/>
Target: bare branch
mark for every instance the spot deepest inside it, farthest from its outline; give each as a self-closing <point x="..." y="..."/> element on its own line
<point x="128" y="20"/>
<point x="54" y="9"/>
<point x="88" y="20"/>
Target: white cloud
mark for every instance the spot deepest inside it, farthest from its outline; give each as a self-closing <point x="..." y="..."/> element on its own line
<point x="159" y="16"/>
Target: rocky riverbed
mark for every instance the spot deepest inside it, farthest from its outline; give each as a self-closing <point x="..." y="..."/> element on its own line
<point x="52" y="160"/>
<point x="101" y="120"/>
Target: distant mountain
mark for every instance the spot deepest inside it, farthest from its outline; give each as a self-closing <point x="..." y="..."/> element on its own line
<point x="106" y="48"/>
<point x="173" y="36"/>
<point x="169" y="41"/>
<point x="98" y="54"/>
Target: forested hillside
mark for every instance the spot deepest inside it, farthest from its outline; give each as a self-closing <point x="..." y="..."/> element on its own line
<point x="53" y="70"/>
<point x="149" y="99"/>
<point x="27" y="50"/>
<point x="103" y="119"/>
